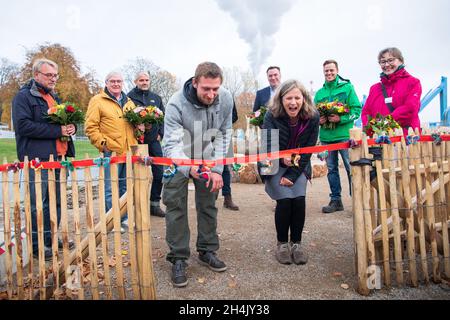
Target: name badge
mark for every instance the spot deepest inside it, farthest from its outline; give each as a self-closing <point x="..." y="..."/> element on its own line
<point x="388" y="100"/>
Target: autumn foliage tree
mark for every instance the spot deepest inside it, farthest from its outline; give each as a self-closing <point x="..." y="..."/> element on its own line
<point x="72" y="86"/>
<point x="8" y="87"/>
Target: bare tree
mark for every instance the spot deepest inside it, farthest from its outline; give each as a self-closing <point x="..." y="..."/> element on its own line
<point x="162" y="82"/>
<point x="8" y="85"/>
<point x="232" y="80"/>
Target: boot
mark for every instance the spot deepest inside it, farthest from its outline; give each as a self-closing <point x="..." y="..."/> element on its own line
<point x="157" y="211"/>
<point x="229" y="204"/>
<point x="283" y="253"/>
<point x="334" y="205"/>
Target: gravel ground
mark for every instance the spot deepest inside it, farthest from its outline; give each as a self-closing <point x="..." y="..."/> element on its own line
<point x="247" y="246"/>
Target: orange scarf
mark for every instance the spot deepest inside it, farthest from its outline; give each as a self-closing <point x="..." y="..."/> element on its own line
<point x="61" y="146"/>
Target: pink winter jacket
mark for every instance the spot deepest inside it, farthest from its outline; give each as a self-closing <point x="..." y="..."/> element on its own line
<point x="405" y="91"/>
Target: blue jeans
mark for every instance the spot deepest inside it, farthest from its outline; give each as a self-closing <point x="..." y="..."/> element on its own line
<point x="45" y="207"/>
<point x="226" y="176"/>
<point x="122" y="175"/>
<point x="334" y="179"/>
<point x="154" y="150"/>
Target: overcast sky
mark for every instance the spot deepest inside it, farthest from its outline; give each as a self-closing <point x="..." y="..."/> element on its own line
<point x="297" y="35"/>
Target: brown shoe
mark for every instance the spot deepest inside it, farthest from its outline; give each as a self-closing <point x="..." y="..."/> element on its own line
<point x="283" y="253"/>
<point x="229" y="204"/>
<point x="298" y="255"/>
<point x="157" y="211"/>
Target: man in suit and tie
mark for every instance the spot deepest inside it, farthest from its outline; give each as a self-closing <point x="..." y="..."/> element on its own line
<point x="263" y="96"/>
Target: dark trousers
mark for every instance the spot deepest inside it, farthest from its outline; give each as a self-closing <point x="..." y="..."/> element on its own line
<point x="154" y="150"/>
<point x="45" y="206"/>
<point x="290" y="215"/>
<point x="226" y="176"/>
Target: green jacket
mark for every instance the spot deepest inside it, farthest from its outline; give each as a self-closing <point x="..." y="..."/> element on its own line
<point x="342" y="91"/>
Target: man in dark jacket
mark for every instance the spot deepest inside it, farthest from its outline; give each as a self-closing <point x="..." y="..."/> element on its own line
<point x="142" y="96"/>
<point x="263" y="96"/>
<point x="36" y="137"/>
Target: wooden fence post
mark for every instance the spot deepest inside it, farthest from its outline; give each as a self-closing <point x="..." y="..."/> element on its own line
<point x="145" y="263"/>
<point x="104" y="232"/>
<point x="358" y="217"/>
<point x="76" y="222"/>
<point x="53" y="225"/>
<point x="426" y="155"/>
<point x="7" y="232"/>
<point x="117" y="226"/>
<point x="26" y="187"/>
<point x="131" y="229"/>
<point x="91" y="234"/>
<point x="409" y="214"/>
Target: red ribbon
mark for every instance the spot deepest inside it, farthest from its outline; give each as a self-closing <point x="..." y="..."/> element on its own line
<point x="212" y="163"/>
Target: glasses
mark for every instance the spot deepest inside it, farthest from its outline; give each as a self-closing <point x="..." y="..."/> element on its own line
<point x="115" y="81"/>
<point x="50" y="75"/>
<point x="388" y="61"/>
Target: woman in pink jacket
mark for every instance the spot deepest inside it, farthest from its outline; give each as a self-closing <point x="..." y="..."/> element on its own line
<point x="397" y="94"/>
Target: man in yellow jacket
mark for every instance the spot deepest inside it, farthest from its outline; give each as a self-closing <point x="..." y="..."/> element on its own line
<point x="108" y="130"/>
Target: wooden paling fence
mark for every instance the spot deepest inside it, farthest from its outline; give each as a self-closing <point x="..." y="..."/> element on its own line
<point x="104" y="264"/>
<point x="401" y="209"/>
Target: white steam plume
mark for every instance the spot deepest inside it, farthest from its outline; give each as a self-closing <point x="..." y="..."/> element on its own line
<point x="258" y="21"/>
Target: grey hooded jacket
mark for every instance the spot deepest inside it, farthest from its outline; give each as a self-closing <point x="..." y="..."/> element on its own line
<point x="196" y="131"/>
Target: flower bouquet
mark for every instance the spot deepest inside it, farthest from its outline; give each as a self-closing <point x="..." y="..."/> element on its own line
<point x="257" y="117"/>
<point x="154" y="115"/>
<point x="381" y="125"/>
<point x="64" y="114"/>
<point x="142" y="118"/>
<point x="327" y="109"/>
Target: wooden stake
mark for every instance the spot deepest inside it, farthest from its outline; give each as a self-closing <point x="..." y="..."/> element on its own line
<point x="104" y="232"/>
<point x="117" y="226"/>
<point x="131" y="227"/>
<point x="426" y="154"/>
<point x="7" y="232"/>
<point x="384" y="228"/>
<point x="358" y="217"/>
<point x="409" y="214"/>
<point x="415" y="154"/>
<point x="64" y="220"/>
<point x="53" y="226"/>
<point x="40" y="230"/>
<point x="366" y="205"/>
<point x="28" y="229"/>
<point x="79" y="259"/>
<point x="91" y="235"/>
<point x="395" y="216"/>
<point x="442" y="208"/>
<point x="18" y="237"/>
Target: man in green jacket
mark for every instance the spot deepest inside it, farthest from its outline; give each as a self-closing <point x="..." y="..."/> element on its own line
<point x="341" y="90"/>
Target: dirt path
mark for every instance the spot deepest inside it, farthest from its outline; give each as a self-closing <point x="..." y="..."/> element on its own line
<point x="247" y="239"/>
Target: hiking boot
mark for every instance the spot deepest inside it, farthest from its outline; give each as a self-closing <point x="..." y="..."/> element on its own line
<point x="157" y="211"/>
<point x="229" y="204"/>
<point x="179" y="278"/>
<point x="298" y="255"/>
<point x="47" y="253"/>
<point x="283" y="253"/>
<point x="210" y="260"/>
<point x="334" y="205"/>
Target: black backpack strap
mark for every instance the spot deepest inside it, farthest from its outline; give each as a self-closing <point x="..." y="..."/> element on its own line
<point x="389" y="105"/>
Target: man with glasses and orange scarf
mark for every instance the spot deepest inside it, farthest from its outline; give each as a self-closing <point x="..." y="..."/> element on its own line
<point x="36" y="137"/>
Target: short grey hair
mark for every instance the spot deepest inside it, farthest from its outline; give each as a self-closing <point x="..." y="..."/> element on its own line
<point x="112" y="74"/>
<point x="141" y="73"/>
<point x="395" y="52"/>
<point x="38" y="63"/>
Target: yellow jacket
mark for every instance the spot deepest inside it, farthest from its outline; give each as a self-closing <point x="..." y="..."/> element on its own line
<point x="106" y="126"/>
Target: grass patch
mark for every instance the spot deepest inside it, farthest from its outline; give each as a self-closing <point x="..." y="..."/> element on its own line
<point x="8" y="150"/>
